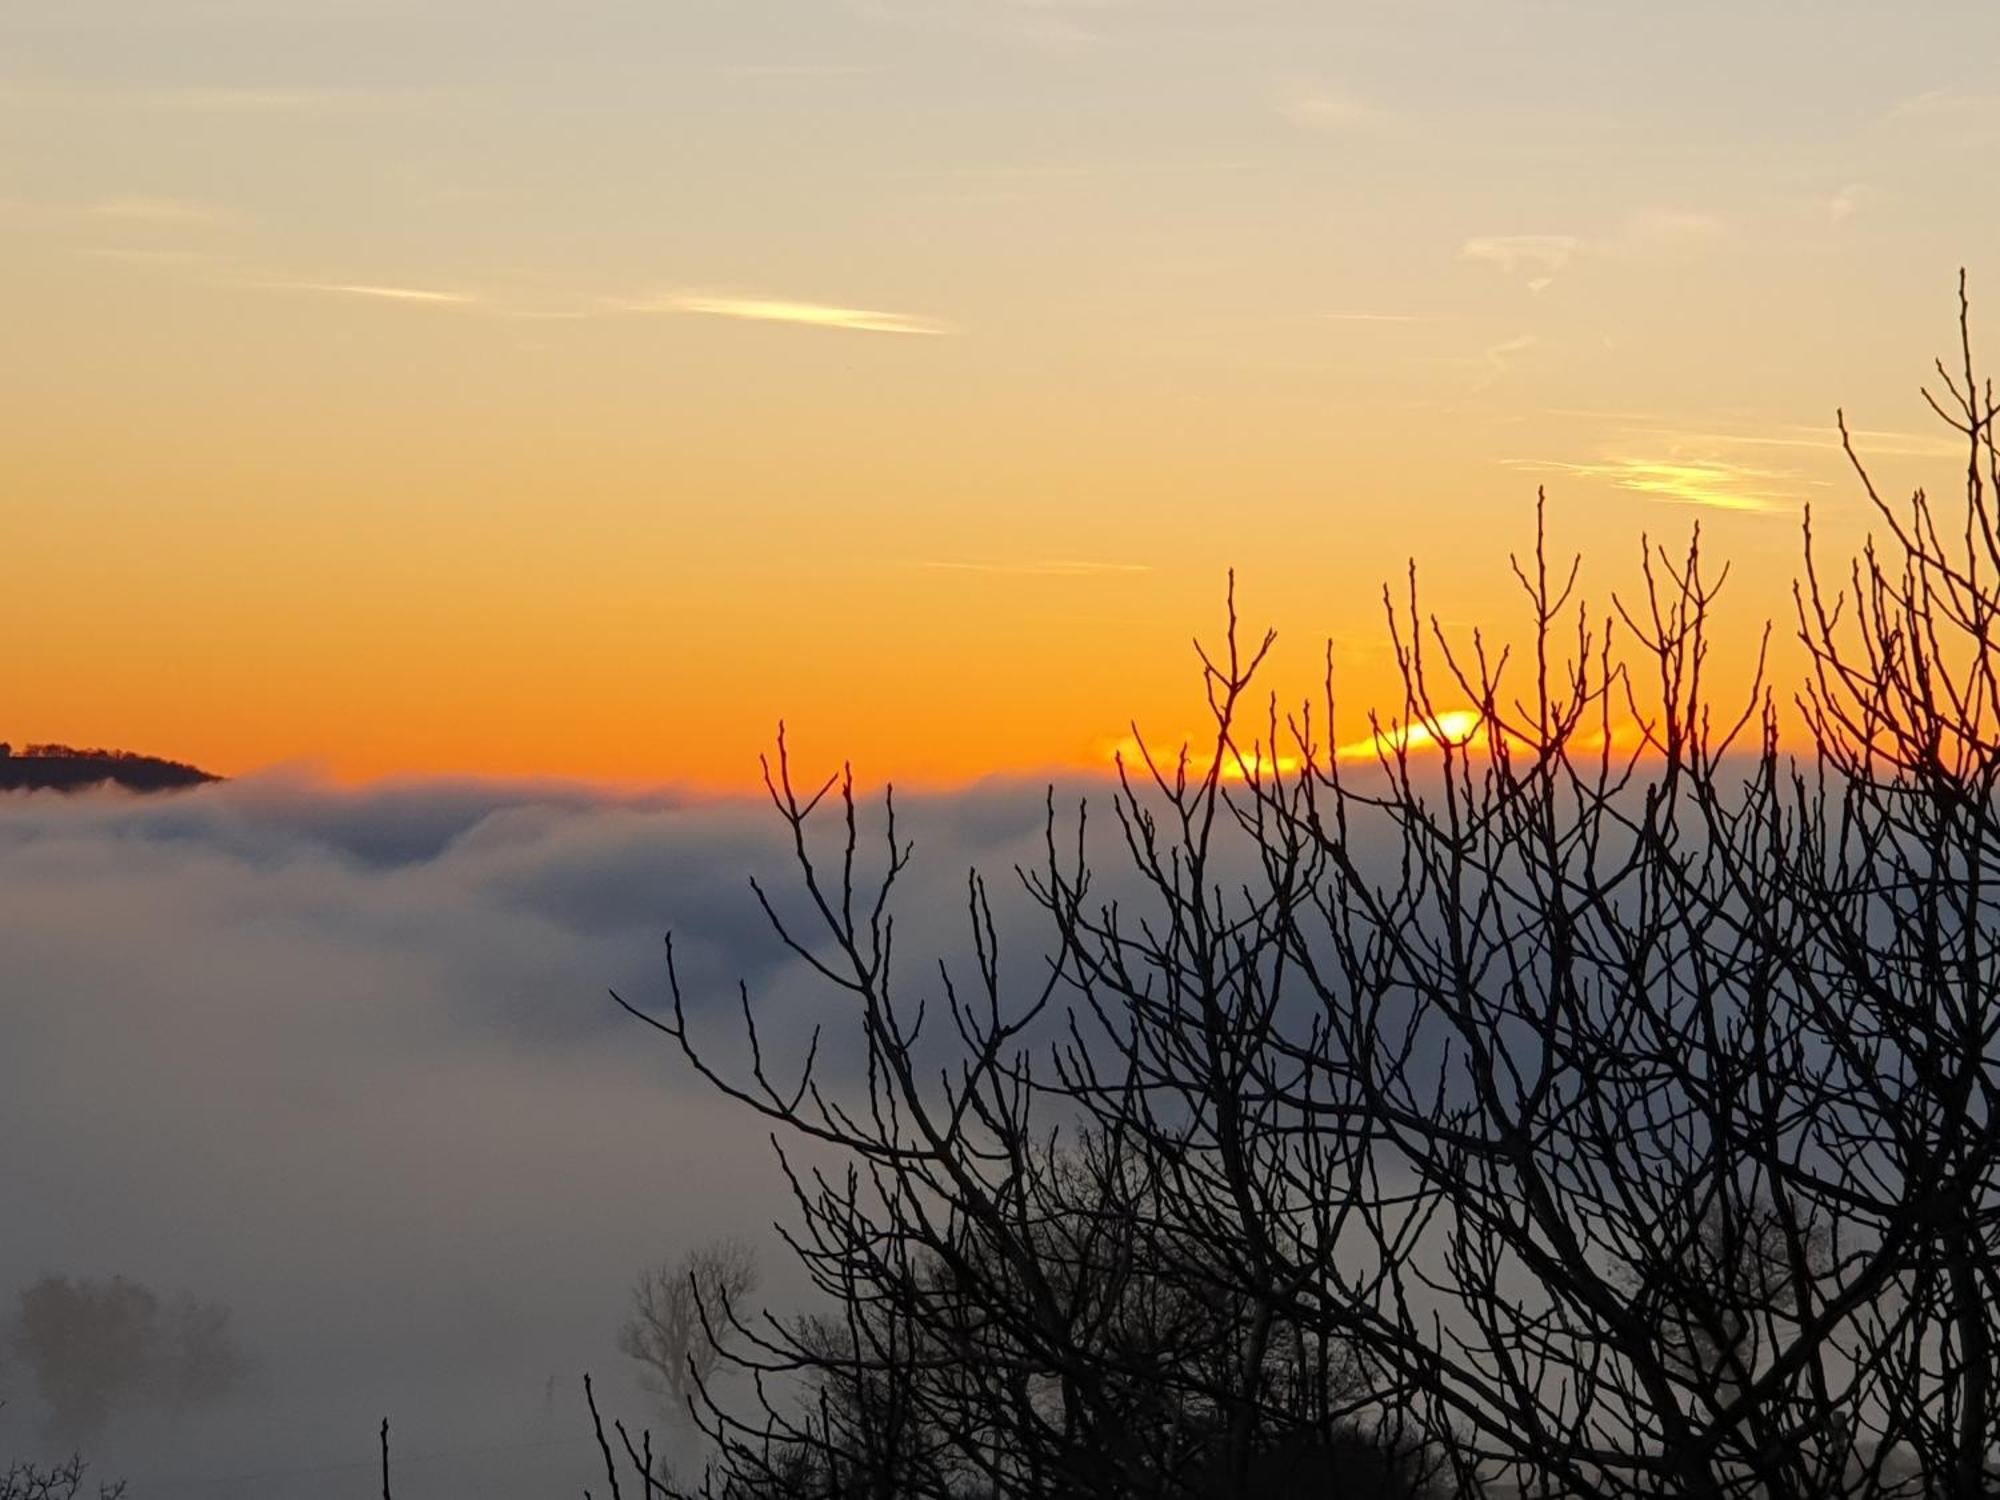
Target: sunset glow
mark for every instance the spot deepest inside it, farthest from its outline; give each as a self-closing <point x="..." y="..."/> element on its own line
<point x="999" y="749"/>
<point x="1453" y="729"/>
<point x="396" y="390"/>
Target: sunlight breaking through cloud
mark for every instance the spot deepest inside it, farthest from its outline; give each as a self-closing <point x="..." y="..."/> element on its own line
<point x="1452" y="729"/>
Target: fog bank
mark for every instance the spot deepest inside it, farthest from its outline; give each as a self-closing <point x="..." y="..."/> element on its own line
<point x="344" y="1060"/>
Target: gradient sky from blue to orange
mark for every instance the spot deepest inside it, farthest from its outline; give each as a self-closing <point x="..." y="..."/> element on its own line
<point x="575" y="389"/>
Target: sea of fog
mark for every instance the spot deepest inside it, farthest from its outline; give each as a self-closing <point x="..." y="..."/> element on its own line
<point x="344" y="1060"/>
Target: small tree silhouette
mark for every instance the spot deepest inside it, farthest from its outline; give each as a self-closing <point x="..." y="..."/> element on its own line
<point x="667" y="1333"/>
<point x="60" y="1481"/>
<point x="92" y="1345"/>
<point x="89" y="1345"/>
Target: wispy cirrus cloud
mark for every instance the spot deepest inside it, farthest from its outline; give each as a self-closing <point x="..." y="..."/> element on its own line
<point x="1541" y="255"/>
<point x="147" y="214"/>
<point x="1487" y="367"/>
<point x="1644" y="233"/>
<point x="529" y="303"/>
<point x="379" y="292"/>
<point x="785" y="310"/>
<point x="1658" y="432"/>
<point x="1712" y="483"/>
<point x="1950" y="117"/>
<point x="1826" y="440"/>
<point x="1497" y="361"/>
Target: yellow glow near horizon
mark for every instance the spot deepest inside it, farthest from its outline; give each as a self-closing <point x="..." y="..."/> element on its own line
<point x="1459" y="729"/>
<point x="1451" y="729"/>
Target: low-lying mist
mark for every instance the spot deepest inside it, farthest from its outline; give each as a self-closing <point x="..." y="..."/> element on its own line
<point x="344" y="1062"/>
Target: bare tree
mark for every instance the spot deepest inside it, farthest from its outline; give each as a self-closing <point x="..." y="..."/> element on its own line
<point x="1593" y="1093"/>
<point x="60" y="1481"/>
<point x="677" y="1308"/>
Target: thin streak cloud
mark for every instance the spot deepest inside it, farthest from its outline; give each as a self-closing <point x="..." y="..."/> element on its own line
<point x="1826" y="440"/>
<point x="1658" y="430"/>
<point x="365" y="289"/>
<point x="1647" y="233"/>
<point x="1710" y="483"/>
<point x="803" y="314"/>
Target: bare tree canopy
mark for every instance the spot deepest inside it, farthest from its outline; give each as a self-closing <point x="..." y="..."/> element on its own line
<point x="679" y="1308"/>
<point x="61" y="1481"/>
<point x="1593" y="1094"/>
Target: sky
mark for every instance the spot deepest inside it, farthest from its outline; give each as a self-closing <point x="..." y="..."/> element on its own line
<point x="576" y="390"/>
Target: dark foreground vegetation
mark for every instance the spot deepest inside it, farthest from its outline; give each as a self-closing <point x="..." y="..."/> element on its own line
<point x="59" y="1481"/>
<point x="59" y="768"/>
<point x="1603" y="1107"/>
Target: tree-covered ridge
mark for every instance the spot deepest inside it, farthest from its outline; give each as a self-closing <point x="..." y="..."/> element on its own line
<point x="64" y="768"/>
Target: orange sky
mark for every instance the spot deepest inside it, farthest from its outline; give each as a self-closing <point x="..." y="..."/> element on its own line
<point x="576" y="391"/>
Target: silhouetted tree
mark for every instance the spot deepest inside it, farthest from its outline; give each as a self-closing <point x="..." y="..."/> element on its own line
<point x="88" y="1344"/>
<point x="92" y="1345"/>
<point x="1593" y="1094"/>
<point x="60" y="1481"/>
<point x="666" y="1333"/>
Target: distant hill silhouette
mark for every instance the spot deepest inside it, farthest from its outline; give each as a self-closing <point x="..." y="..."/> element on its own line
<point x="61" y="768"/>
